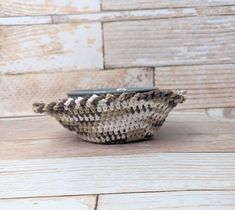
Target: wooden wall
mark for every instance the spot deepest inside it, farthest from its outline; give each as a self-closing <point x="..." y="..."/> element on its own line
<point x="49" y="47"/>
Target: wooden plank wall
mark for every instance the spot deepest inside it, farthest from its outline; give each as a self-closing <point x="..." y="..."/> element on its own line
<point x="27" y="88"/>
<point x="48" y="47"/>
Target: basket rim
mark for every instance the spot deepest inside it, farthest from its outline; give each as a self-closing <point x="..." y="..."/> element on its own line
<point x="101" y="91"/>
<point x="174" y="97"/>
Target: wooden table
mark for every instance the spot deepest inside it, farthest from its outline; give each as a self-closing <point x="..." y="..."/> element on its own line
<point x="189" y="164"/>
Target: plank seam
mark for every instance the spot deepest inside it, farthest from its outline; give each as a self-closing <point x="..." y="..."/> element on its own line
<point x="52" y="19"/>
<point x="96" y="202"/>
<point x="70" y="71"/>
<point x="166" y="191"/>
<point x="185" y="7"/>
<point x="118" y="193"/>
<point x="154" y="77"/>
<point x="101" y="6"/>
<point x="103" y="47"/>
<point x="173" y="65"/>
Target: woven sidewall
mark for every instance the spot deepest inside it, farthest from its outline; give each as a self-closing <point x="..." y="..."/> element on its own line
<point x="110" y="119"/>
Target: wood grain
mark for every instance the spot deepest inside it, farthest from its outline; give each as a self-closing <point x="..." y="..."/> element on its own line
<point x="226" y="114"/>
<point x="50" y="203"/>
<point x="27" y="20"/>
<point x="18" y="92"/>
<point x="110" y="16"/>
<point x="207" y="85"/>
<point x="43" y="137"/>
<point x="129" y="173"/>
<point x="50" y="48"/>
<point x="151" y="4"/>
<point x="204" y="200"/>
<point x="179" y="41"/>
<point x="44" y="7"/>
<point x="125" y="15"/>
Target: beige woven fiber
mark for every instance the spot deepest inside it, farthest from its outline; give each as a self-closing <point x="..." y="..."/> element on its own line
<point x="114" y="118"/>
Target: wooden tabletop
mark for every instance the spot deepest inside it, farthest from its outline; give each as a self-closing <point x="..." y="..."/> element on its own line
<point x="189" y="164"/>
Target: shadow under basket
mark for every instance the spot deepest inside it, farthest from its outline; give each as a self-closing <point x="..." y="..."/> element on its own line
<point x="110" y="116"/>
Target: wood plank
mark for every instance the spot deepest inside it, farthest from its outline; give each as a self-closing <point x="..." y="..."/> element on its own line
<point x="227" y="114"/>
<point x="125" y="15"/>
<point x="70" y="146"/>
<point x="151" y="4"/>
<point x="43" y="137"/>
<point x="108" y="16"/>
<point x="179" y="41"/>
<point x="202" y="115"/>
<point x="50" y="47"/>
<point x="44" y="7"/>
<point x="116" y="174"/>
<point x="8" y="21"/>
<point x="204" y="200"/>
<point x="59" y="203"/>
<point x="207" y="86"/>
<point x="119" y="15"/>
<point x="18" y="92"/>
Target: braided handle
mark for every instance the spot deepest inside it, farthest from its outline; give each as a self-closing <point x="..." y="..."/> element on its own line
<point x="179" y="96"/>
<point x="50" y="108"/>
<point x="39" y="107"/>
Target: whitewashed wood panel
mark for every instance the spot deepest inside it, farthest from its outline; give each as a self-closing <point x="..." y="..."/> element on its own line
<point x="227" y="114"/>
<point x="50" y="203"/>
<point x="207" y="85"/>
<point x="198" y="115"/>
<point x="183" y="200"/>
<point x="179" y="41"/>
<point x="43" y="137"/>
<point x="50" y="48"/>
<point x="108" y="16"/>
<point x="44" y="7"/>
<point x="18" y="92"/>
<point x="151" y="4"/>
<point x="126" y="15"/>
<point x="116" y="174"/>
<point x="27" y="20"/>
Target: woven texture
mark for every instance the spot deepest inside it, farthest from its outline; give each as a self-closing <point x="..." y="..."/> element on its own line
<point x="114" y="118"/>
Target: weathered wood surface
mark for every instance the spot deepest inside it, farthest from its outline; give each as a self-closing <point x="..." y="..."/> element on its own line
<point x="125" y="15"/>
<point x="207" y="85"/>
<point x="50" y="203"/>
<point x="50" y="48"/>
<point x="45" y="7"/>
<point x="227" y="114"/>
<point x="151" y="4"/>
<point x="19" y="91"/>
<point x="27" y="20"/>
<point x="45" y="44"/>
<point x="43" y="137"/>
<point x="179" y="41"/>
<point x="117" y="174"/>
<point x="108" y="16"/>
<point x="203" y="115"/>
<point x="191" y="200"/>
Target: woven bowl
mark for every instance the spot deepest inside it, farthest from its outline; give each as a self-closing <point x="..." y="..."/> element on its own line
<point x="110" y="116"/>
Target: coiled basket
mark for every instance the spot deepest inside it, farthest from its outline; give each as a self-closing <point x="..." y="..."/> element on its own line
<point x="113" y="115"/>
